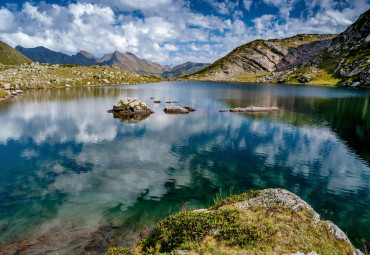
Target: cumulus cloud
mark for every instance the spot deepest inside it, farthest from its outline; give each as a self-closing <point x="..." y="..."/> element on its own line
<point x="168" y="31"/>
<point x="6" y="20"/>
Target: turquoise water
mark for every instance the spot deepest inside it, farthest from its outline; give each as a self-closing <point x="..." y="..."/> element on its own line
<point x="74" y="179"/>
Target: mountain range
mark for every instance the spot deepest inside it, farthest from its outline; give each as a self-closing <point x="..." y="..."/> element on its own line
<point x="342" y="59"/>
<point x="125" y="61"/>
<point x="326" y="59"/>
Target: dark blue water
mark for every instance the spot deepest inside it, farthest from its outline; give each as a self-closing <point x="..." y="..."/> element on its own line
<point x="74" y="179"/>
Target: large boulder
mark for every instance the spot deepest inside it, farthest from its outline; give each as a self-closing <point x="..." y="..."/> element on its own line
<point x="131" y="106"/>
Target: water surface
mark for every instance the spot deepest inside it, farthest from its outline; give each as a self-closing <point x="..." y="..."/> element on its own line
<point x="75" y="179"/>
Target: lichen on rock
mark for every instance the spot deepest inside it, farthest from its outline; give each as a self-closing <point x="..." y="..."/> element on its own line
<point x="131" y="106"/>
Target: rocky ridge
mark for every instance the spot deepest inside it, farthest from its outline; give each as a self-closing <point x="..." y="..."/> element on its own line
<point x="311" y="59"/>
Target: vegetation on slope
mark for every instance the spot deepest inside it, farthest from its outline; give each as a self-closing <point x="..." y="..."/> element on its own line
<point x="3" y="93"/>
<point x="9" y="56"/>
<point x="43" y="75"/>
<point x="228" y="229"/>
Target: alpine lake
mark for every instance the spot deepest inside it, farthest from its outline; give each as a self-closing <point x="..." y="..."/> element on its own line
<point x="74" y="179"/>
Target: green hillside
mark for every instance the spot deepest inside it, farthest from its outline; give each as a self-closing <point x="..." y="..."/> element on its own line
<point x="9" y="56"/>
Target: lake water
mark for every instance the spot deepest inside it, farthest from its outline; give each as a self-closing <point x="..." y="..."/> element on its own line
<point x="74" y="179"/>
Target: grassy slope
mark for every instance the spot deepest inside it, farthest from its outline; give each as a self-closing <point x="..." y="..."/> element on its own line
<point x="230" y="230"/>
<point x="9" y="56"/>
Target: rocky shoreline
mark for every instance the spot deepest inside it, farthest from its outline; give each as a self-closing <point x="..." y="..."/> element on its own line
<point x="42" y="76"/>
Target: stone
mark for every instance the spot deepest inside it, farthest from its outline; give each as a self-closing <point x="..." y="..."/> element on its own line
<point x="190" y="109"/>
<point x="254" y="109"/>
<point x="19" y="92"/>
<point x="131" y="106"/>
<point x="276" y="197"/>
<point x="283" y="79"/>
<point x="176" y="110"/>
<point x="201" y="210"/>
<point x="337" y="232"/>
<point x="224" y="110"/>
<point x="182" y="252"/>
<point x="355" y="84"/>
<point x="304" y="78"/>
<point x="157" y="101"/>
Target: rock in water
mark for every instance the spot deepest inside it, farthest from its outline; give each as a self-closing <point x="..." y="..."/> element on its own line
<point x="189" y="108"/>
<point x="254" y="109"/>
<point x="176" y="110"/>
<point x="131" y="106"/>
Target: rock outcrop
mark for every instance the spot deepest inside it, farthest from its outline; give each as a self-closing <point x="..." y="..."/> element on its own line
<point x="270" y="221"/>
<point x="131" y="106"/>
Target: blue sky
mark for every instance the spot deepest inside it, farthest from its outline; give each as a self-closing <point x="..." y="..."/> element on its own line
<point x="168" y="31"/>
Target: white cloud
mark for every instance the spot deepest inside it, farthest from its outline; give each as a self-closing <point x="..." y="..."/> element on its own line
<point x="6" y="20"/>
<point x="247" y="4"/>
<point x="166" y="31"/>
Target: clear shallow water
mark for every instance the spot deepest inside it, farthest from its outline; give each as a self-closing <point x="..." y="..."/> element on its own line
<point x="75" y="179"/>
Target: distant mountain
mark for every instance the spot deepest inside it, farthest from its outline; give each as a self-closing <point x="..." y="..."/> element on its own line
<point x="125" y="61"/>
<point x="183" y="69"/>
<point x="305" y="58"/>
<point x="9" y="56"/>
<point x="131" y="63"/>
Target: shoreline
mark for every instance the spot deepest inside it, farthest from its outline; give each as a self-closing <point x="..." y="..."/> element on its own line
<point x="10" y="96"/>
<point x="273" y="83"/>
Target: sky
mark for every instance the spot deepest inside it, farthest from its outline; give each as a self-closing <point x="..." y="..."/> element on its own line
<point x="168" y="31"/>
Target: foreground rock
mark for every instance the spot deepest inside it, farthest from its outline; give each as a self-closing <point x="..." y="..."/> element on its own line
<point x="271" y="221"/>
<point x="131" y="106"/>
<point x="252" y="109"/>
<point x="178" y="109"/>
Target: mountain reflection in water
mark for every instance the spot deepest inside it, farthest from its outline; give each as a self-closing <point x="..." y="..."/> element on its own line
<point x="73" y="178"/>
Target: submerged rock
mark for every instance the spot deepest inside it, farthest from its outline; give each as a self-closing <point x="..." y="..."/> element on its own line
<point x="131" y="106"/>
<point x="254" y="109"/>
